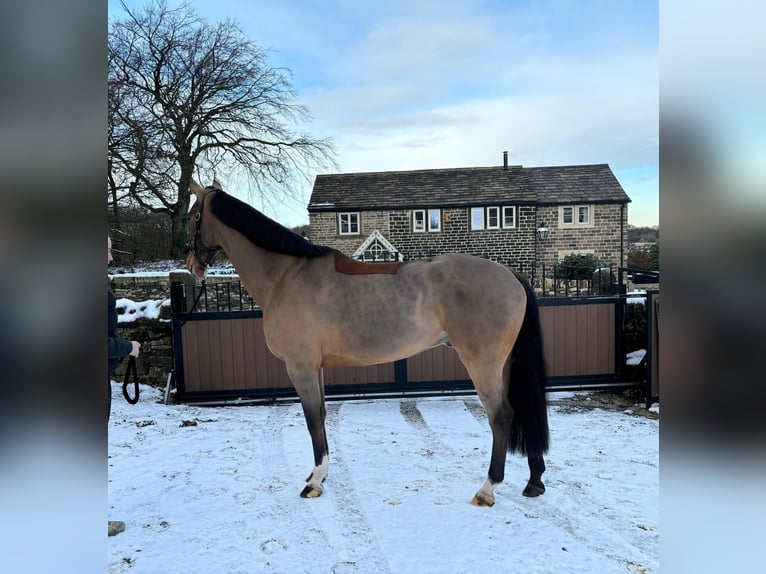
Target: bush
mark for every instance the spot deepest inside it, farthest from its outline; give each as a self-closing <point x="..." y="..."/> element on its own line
<point x="646" y="259"/>
<point x="575" y="267"/>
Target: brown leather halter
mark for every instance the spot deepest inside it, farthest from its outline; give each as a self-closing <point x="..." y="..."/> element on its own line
<point x="196" y="244"/>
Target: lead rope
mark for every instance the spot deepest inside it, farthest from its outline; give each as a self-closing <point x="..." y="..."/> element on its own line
<point x="131" y="374"/>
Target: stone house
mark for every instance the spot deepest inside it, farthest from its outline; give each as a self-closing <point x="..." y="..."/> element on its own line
<point x="513" y="214"/>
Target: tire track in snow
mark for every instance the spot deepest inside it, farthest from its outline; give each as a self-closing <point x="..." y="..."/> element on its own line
<point x="411" y="413"/>
<point x="274" y="497"/>
<point x="475" y="407"/>
<point x="448" y="469"/>
<point x="568" y="505"/>
<point x="603" y="541"/>
<point x="363" y="554"/>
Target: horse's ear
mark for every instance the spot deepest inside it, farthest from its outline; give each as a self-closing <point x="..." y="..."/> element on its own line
<point x="196" y="189"/>
<point x="216" y="185"/>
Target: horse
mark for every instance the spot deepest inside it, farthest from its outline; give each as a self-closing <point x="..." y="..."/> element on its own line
<point x="323" y="309"/>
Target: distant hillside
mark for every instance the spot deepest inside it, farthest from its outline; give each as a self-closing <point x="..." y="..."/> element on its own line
<point x="643" y="234"/>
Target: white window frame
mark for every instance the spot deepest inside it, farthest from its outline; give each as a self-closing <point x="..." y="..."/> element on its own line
<point x="575" y="211"/>
<point x="419" y="226"/>
<point x="350" y="215"/>
<point x="438" y="221"/>
<point x="512" y="209"/>
<point x="476" y="215"/>
<point x="427" y="221"/>
<point x="496" y="211"/>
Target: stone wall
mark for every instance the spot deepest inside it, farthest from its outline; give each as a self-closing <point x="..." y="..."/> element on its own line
<point x="518" y="247"/>
<point x="602" y="238"/>
<point x="156" y="358"/>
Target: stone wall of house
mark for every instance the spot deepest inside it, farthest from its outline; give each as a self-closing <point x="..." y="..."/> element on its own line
<point x="518" y="247"/>
<point x="602" y="238"/>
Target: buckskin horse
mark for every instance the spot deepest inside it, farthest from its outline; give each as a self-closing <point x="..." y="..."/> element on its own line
<point x="323" y="309"/>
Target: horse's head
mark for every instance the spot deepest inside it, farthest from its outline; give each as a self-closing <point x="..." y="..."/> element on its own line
<point x="203" y="246"/>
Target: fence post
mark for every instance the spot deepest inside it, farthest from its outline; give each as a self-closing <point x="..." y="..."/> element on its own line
<point x="185" y="283"/>
<point x="177" y="297"/>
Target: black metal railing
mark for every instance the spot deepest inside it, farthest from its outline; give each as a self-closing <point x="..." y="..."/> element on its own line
<point x="548" y="281"/>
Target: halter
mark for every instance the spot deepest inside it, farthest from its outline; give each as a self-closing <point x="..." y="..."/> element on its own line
<point x="197" y="243"/>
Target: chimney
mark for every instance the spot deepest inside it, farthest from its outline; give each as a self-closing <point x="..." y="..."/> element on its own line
<point x="505" y="160"/>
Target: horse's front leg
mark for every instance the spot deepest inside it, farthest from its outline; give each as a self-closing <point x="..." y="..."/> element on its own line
<point x="309" y="385"/>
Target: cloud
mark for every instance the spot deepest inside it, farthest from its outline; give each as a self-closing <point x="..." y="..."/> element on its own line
<point x="416" y="85"/>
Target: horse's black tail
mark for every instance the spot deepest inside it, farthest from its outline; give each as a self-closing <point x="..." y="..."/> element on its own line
<point x="529" y="430"/>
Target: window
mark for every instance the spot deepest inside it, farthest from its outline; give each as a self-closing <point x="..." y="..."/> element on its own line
<point x="493" y="218"/>
<point x="419" y="220"/>
<point x="420" y="223"/>
<point x="509" y="217"/>
<point x="477" y="218"/>
<point x="575" y="215"/>
<point x="434" y="220"/>
<point x="348" y="223"/>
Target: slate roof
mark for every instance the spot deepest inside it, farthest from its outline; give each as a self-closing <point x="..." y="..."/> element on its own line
<point x="463" y="187"/>
<point x="576" y="184"/>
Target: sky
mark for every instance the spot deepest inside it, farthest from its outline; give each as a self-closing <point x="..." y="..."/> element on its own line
<point x="402" y="85"/>
<point x="215" y="489"/>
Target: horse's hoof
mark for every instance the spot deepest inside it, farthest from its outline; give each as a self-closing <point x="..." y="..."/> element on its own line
<point x="310" y="492"/>
<point x="533" y="490"/>
<point x="481" y="499"/>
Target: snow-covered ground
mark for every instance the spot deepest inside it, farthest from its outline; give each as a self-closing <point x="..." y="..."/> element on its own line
<point x="215" y="489"/>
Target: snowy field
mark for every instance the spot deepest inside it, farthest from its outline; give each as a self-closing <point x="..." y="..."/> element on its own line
<point x="215" y="490"/>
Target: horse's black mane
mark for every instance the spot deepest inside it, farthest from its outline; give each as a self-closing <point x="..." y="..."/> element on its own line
<point x="261" y="230"/>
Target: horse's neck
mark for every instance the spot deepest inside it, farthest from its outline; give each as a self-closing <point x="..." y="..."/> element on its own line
<point x="260" y="270"/>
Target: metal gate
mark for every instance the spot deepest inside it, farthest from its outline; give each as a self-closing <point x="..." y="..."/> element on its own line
<point x="222" y="356"/>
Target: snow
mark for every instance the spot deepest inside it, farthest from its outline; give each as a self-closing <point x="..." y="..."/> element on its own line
<point x="636" y="297"/>
<point x="164" y="268"/>
<point x="215" y="489"/>
<point x="129" y="310"/>
<point x="635" y="357"/>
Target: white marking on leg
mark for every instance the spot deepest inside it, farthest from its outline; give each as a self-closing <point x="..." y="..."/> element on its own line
<point x="488" y="488"/>
<point x="319" y="474"/>
<point x="485" y="496"/>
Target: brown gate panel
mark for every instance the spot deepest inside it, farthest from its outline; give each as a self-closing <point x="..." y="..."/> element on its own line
<point x="359" y="375"/>
<point x="437" y="364"/>
<point x="229" y="354"/>
<point x="578" y="339"/>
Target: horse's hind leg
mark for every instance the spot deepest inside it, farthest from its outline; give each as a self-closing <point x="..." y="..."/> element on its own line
<point x="535" y="486"/>
<point x="494" y="397"/>
<point x="309" y="385"/>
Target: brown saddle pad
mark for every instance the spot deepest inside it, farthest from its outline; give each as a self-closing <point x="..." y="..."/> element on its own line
<point x="349" y="266"/>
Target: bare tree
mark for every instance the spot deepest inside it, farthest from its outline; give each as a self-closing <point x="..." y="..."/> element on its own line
<point x="186" y="95"/>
